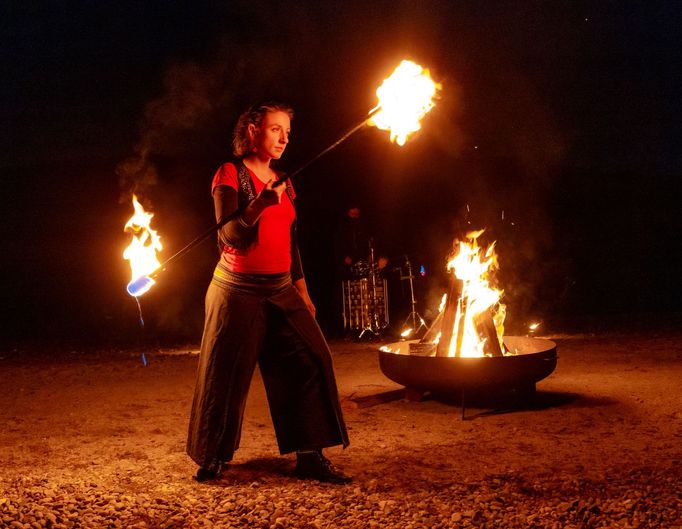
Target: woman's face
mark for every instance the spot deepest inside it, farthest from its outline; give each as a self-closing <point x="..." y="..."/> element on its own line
<point x="273" y="135"/>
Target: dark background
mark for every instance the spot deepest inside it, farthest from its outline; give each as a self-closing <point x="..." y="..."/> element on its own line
<point x="563" y="115"/>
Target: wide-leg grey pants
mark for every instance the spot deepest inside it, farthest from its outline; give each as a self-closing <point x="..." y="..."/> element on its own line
<point x="267" y="323"/>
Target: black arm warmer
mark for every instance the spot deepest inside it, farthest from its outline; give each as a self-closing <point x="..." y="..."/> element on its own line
<point x="233" y="233"/>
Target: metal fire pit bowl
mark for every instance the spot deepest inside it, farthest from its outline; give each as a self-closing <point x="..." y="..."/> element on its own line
<point x="534" y="359"/>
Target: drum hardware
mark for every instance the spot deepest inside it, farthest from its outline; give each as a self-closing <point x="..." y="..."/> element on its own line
<point x="359" y="269"/>
<point x="365" y="300"/>
<point x="413" y="316"/>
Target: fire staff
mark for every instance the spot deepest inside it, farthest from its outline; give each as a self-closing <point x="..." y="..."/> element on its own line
<point x="258" y="310"/>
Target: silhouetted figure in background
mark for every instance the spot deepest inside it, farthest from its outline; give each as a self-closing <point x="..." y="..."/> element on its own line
<point x="351" y="244"/>
<point x="352" y="249"/>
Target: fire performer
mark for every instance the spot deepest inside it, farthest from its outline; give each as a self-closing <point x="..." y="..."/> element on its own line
<point x="258" y="310"/>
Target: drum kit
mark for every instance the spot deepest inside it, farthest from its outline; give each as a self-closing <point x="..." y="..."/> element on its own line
<point x="365" y="298"/>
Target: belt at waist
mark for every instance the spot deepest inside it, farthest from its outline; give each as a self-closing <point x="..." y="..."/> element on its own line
<point x="255" y="284"/>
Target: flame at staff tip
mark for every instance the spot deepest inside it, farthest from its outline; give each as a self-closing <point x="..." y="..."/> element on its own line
<point x="404" y="99"/>
<point x="534" y="326"/>
<point x="406" y="332"/>
<point x="142" y="252"/>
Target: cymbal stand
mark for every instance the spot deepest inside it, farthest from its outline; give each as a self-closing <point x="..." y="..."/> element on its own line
<point x="372" y="325"/>
<point x="413" y="316"/>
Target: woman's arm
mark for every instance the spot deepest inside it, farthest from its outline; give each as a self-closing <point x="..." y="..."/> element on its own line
<point x="240" y="228"/>
<point x="225" y="203"/>
<point x="297" y="271"/>
<point x="296" y="265"/>
<point x="303" y="292"/>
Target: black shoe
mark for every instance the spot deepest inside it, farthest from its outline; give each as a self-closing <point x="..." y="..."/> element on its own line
<point x="313" y="465"/>
<point x="207" y="473"/>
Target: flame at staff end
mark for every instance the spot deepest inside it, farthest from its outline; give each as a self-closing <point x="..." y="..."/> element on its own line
<point x="404" y="99"/>
<point x="142" y="252"/>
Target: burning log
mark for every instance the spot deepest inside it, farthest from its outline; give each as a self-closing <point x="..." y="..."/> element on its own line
<point x="485" y="328"/>
<point x="449" y="314"/>
<point x="461" y="322"/>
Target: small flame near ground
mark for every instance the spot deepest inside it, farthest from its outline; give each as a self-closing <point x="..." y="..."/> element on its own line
<point x="405" y="97"/>
<point x="142" y="252"/>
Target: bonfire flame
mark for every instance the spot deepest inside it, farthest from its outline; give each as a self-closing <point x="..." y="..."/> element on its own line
<point x="142" y="253"/>
<point x="474" y="266"/>
<point x="404" y="99"/>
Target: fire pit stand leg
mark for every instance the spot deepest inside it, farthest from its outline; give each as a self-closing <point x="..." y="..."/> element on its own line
<point x="463" y="403"/>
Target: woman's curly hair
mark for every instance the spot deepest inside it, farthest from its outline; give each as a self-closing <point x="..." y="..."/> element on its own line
<point x="242" y="144"/>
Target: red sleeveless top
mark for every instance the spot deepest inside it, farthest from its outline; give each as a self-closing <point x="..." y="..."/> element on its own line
<point x="271" y="253"/>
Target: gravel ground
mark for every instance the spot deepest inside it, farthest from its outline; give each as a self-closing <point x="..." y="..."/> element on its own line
<point x="95" y="439"/>
<point x="636" y="499"/>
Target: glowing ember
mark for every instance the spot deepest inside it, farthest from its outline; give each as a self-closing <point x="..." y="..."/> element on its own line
<point x="473" y="266"/>
<point x="404" y="99"/>
<point x="533" y="327"/>
<point x="142" y="253"/>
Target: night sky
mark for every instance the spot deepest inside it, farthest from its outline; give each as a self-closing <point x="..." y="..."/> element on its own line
<point x="558" y="130"/>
